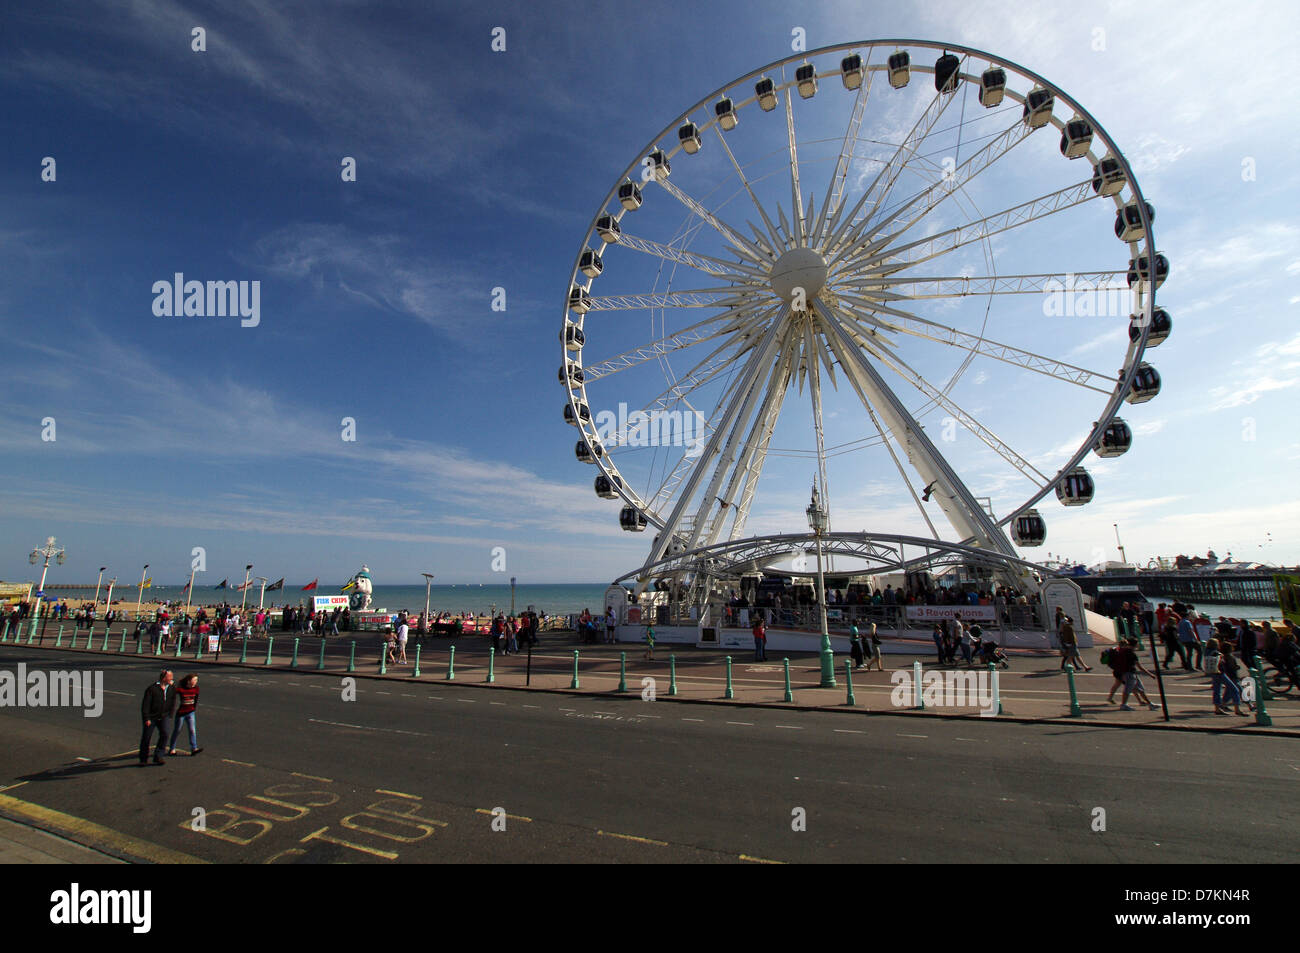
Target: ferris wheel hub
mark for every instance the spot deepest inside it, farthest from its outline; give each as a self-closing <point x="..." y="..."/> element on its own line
<point x="798" y="268"/>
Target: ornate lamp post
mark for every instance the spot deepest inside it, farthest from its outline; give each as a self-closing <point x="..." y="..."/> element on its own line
<point x="99" y="582"/>
<point x="428" y="584"/>
<point x="244" y="599"/>
<point x="139" y="596"/>
<point x="818" y="521"/>
<point x="261" y="599"/>
<point x="48" y="550"/>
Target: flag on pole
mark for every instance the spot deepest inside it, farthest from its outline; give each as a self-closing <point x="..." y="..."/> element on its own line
<point x="148" y="582"/>
<point x="241" y="588"/>
<point x="351" y="585"/>
<point x="186" y="587"/>
<point x="279" y="584"/>
<point x="311" y="585"/>
<point x="221" y="585"/>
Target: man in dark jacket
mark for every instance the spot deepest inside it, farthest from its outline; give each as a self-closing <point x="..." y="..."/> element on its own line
<point x="156" y="712"/>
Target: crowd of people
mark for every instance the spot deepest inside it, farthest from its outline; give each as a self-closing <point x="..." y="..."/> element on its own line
<point x="1217" y="650"/>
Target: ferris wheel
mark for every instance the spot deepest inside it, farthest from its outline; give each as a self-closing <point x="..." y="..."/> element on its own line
<point x="875" y="261"/>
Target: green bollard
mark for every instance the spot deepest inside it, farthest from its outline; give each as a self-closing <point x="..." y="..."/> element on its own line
<point x="177" y="653"/>
<point x="58" y="643"/>
<point x="293" y="663"/>
<point x="492" y="658"/>
<point x="848" y="677"/>
<point x="730" y="693"/>
<point x="383" y="659"/>
<point x="157" y="649"/>
<point x="1075" y="710"/>
<point x="451" y="664"/>
<point x="415" y="672"/>
<point x="789" y="695"/>
<point x="1261" y="710"/>
<point x="73" y="645"/>
<point x="198" y="646"/>
<point x="4" y="636"/>
<point x="993" y="679"/>
<point x="622" y="671"/>
<point x="121" y="647"/>
<point x="320" y="666"/>
<point x="104" y="647"/>
<point x="1262" y="691"/>
<point x="270" y="642"/>
<point x="243" y="656"/>
<point x="672" y="675"/>
<point x="352" y="657"/>
<point x="574" y="683"/>
<point x="139" y="643"/>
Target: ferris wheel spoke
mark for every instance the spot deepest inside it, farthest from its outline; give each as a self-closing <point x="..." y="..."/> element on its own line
<point x="743" y="246"/>
<point x="961" y="286"/>
<point x="926" y="249"/>
<point x="716" y="267"/>
<point x="915" y="326"/>
<point x="709" y="329"/>
<point x="887" y="176"/>
<point x="990" y="439"/>
<point x="772" y="235"/>
<point x="695" y="298"/>
<point x="796" y="195"/>
<point x="930" y="198"/>
<point x="835" y="190"/>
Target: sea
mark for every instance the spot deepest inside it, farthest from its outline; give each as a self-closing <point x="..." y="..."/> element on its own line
<point x="559" y="599"/>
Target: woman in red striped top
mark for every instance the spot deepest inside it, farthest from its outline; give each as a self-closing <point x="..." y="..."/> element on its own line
<point x="187" y="701"/>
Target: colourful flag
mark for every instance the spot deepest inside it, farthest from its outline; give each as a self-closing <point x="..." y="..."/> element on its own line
<point x="311" y="585"/>
<point x="186" y="587"/>
<point x="276" y="585"/>
<point x="221" y="586"/>
<point x="148" y="582"/>
<point x="350" y="585"/>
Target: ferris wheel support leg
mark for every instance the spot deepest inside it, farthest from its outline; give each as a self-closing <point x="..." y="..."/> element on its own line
<point x="958" y="503"/>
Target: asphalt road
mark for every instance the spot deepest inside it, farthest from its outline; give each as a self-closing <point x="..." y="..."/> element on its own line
<point x="406" y="772"/>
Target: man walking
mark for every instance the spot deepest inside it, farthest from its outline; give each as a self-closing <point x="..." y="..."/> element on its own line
<point x="760" y="639"/>
<point x="156" y="713"/>
<point x="1189" y="642"/>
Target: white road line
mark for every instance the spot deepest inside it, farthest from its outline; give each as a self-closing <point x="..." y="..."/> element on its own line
<point x="692" y="719"/>
<point x="747" y="724"/>
<point x="436" y="698"/>
<point x="383" y="693"/>
<point x="467" y="701"/>
<point x="649" y="716"/>
<point x="848" y="731"/>
<point x="791" y="727"/>
<point x="903" y="735"/>
<point x="496" y="703"/>
<point x="966" y="739"/>
<point x="568" y="709"/>
<point x="532" y="706"/>
<point x="605" y="713"/>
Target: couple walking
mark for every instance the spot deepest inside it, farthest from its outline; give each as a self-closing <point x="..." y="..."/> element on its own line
<point x="164" y="709"/>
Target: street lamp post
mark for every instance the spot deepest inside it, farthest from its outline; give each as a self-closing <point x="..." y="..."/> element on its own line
<point x="139" y="596"/>
<point x="428" y="584"/>
<point x="261" y="599"/>
<point x="98" y="582"/>
<point x="49" y="549"/>
<point x="1122" y="556"/>
<point x="512" y="596"/>
<point x="189" y="589"/>
<point x="244" y="599"/>
<point x="817" y="521"/>
<point x="108" y="599"/>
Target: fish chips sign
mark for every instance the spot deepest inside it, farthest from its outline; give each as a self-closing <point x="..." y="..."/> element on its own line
<point x="328" y="603"/>
<point x="936" y="613"/>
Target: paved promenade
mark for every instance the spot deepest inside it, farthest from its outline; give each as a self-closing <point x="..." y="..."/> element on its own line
<point x="1033" y="689"/>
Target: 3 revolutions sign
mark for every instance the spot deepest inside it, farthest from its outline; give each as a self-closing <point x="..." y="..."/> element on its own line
<point x="935" y="613"/>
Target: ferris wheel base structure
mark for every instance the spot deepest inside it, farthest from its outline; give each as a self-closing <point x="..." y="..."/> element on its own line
<point x="725" y="566"/>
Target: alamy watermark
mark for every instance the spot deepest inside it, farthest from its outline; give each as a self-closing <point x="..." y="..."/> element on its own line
<point x="1080" y="298"/>
<point x="212" y="299"/>
<point x="947" y="689"/>
<point x="53" y="689"/>
<point x="654" y="428"/>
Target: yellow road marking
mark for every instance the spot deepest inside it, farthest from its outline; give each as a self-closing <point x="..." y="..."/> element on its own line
<point x="233" y="761"/>
<point x="760" y="860"/>
<point x="413" y="797"/>
<point x="10" y="787"/>
<point x="312" y="777"/>
<point x="633" y="837"/>
<point x="81" y="830"/>
<point x="513" y="817"/>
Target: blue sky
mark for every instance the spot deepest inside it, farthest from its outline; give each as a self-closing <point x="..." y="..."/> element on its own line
<point x="478" y="170"/>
